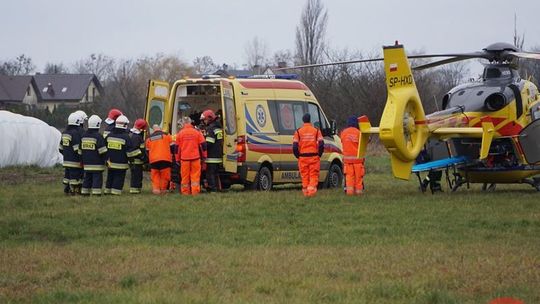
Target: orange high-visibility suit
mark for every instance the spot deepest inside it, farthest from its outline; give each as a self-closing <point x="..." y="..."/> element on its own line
<point x="354" y="166"/>
<point x="160" y="159"/>
<point x="191" y="144"/>
<point x="308" y="146"/>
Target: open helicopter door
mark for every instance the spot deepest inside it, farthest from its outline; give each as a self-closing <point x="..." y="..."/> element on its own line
<point x="530" y="143"/>
<point x="158" y="110"/>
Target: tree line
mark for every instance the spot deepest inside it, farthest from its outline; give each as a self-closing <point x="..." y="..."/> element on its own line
<point x="343" y="90"/>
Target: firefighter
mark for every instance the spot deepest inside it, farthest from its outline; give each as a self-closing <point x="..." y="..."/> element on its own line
<point x="119" y="151"/>
<point x="354" y="166"/>
<point x="159" y="146"/>
<point x="136" y="164"/>
<point x="94" y="155"/>
<point x="308" y="147"/>
<point x="109" y="121"/>
<point x="70" y="148"/>
<point x="191" y="145"/>
<point x="214" y="142"/>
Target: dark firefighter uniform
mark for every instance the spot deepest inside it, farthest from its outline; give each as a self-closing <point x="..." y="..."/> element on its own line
<point x="214" y="146"/>
<point x="94" y="155"/>
<point x="70" y="148"/>
<point x="136" y="164"/>
<point x="119" y="151"/>
<point x="108" y="129"/>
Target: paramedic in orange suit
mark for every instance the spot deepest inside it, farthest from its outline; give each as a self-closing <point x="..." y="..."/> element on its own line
<point x="354" y="166"/>
<point x="308" y="147"/>
<point x="191" y="145"/>
<point x="160" y="158"/>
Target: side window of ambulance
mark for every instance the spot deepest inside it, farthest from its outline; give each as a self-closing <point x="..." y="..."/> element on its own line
<point x="317" y="118"/>
<point x="290" y="116"/>
<point x="230" y="113"/>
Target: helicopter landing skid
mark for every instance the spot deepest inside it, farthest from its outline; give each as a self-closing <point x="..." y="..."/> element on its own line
<point x="534" y="182"/>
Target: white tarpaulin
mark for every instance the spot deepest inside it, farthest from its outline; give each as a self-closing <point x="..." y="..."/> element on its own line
<point x="27" y="140"/>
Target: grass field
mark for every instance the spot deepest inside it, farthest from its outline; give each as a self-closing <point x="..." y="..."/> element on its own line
<point x="392" y="245"/>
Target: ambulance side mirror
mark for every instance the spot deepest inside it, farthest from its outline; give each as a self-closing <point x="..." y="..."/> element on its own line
<point x="333" y="127"/>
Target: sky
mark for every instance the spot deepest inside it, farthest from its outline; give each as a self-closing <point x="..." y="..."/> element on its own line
<point x="69" y="30"/>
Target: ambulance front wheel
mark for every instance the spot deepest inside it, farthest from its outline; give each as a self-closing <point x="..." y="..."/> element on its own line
<point x="263" y="180"/>
<point x="335" y="177"/>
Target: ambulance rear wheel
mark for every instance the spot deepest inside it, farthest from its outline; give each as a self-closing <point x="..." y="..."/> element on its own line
<point x="263" y="180"/>
<point x="335" y="177"/>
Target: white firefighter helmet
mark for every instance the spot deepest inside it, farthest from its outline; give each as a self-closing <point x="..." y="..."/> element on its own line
<point x="82" y="114"/>
<point x="122" y="122"/>
<point x="74" y="119"/>
<point x="94" y="122"/>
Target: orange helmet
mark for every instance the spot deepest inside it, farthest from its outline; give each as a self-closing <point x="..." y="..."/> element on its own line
<point x="113" y="115"/>
<point x="208" y="114"/>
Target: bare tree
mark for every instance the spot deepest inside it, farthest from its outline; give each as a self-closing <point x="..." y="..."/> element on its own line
<point x="283" y="58"/>
<point x="519" y="40"/>
<point x="55" y="68"/>
<point x="204" y="65"/>
<point x="256" y="53"/>
<point x="21" y="65"/>
<point x="98" y="64"/>
<point x="311" y="33"/>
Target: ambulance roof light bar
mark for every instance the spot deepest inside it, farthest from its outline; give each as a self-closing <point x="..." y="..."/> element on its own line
<point x="279" y="76"/>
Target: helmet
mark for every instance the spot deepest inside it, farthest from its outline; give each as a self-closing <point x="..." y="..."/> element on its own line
<point x="208" y="114"/>
<point x="139" y="125"/>
<point x="74" y="119"/>
<point x="82" y="114"/>
<point x="122" y="122"/>
<point x="113" y="115"/>
<point x="94" y="122"/>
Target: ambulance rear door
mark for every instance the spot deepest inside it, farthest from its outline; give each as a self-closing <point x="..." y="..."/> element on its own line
<point x="230" y="155"/>
<point x="158" y="110"/>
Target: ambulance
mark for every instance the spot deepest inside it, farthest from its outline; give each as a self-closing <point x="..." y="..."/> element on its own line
<point x="259" y="116"/>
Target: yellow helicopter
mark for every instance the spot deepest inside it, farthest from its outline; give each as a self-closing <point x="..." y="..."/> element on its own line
<point x="488" y="131"/>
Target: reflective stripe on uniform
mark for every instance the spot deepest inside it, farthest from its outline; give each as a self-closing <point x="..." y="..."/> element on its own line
<point x="107" y="191"/>
<point x="74" y="182"/>
<point x="96" y="191"/>
<point x="116" y="191"/>
<point x="134" y="190"/>
<point x="134" y="153"/>
<point x="71" y="164"/>
<point x="118" y="166"/>
<point x="65" y="181"/>
<point x="85" y="191"/>
<point x="214" y="160"/>
<point x="210" y="139"/>
<point x="138" y="162"/>
<point x="102" y="150"/>
<point x="94" y="167"/>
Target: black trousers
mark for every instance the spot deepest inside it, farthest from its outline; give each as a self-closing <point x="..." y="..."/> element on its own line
<point x="92" y="183"/>
<point x="212" y="176"/>
<point x="115" y="181"/>
<point x="136" y="178"/>
<point x="72" y="178"/>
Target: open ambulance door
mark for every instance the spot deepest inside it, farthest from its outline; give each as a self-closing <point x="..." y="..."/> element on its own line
<point x="158" y="109"/>
<point x="230" y="153"/>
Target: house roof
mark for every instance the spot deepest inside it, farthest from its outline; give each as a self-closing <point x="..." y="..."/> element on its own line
<point x="52" y="87"/>
<point x="13" y="88"/>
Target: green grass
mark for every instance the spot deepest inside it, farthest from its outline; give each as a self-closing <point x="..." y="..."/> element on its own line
<point x="392" y="245"/>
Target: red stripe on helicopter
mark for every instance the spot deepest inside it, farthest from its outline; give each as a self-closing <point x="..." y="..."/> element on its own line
<point x="420" y="122"/>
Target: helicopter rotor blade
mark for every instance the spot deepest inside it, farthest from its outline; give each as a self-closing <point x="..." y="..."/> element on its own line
<point x="316" y="65"/>
<point x="440" y="62"/>
<point x="526" y="55"/>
